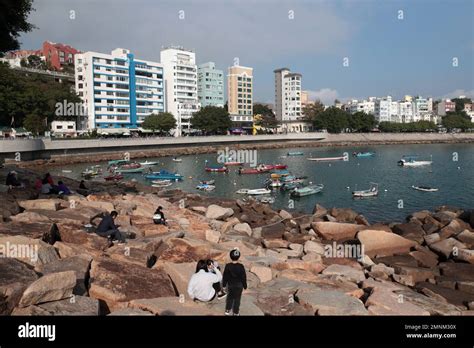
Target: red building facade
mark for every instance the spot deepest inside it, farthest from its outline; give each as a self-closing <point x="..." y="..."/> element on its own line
<point x="58" y="54"/>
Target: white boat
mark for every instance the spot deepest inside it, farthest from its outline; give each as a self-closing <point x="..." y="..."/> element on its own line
<point x="268" y="200"/>
<point x="326" y="159"/>
<point x="410" y="161"/>
<point x="159" y="182"/>
<point x="261" y="191"/>
<point x="424" y="188"/>
<point x="205" y="187"/>
<point x="177" y="160"/>
<point x="146" y="163"/>
<point x="371" y="192"/>
<point x="66" y="171"/>
<point x="161" y="185"/>
<point x="242" y="191"/>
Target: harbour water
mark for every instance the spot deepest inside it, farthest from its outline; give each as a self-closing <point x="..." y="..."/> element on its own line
<point x="452" y="172"/>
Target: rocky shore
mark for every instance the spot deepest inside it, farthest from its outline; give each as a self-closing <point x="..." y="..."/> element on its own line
<point x="330" y="262"/>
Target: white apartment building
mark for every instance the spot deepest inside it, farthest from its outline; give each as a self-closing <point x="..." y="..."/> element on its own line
<point x="287" y="95"/>
<point x="63" y="128"/>
<point x="405" y="111"/>
<point x="118" y="90"/>
<point x="421" y="107"/>
<point x="180" y="75"/>
<point x="383" y="109"/>
<point x="367" y="106"/>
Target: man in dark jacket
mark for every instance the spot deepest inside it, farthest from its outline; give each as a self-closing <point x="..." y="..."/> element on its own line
<point x="235" y="279"/>
<point x="107" y="227"/>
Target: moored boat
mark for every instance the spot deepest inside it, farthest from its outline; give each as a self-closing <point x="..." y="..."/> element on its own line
<point x="307" y="190"/>
<point x="242" y="191"/>
<point x="147" y="163"/>
<point x="262" y="191"/>
<point x="205" y="187"/>
<point x="222" y="169"/>
<point x="129" y="170"/>
<point x="233" y="163"/>
<point x="207" y="182"/>
<point x="177" y="159"/>
<point x="117" y="162"/>
<point x="424" y="188"/>
<point x="158" y="182"/>
<point x="363" y="154"/>
<point x="371" y="192"/>
<point x="295" y="153"/>
<point x="114" y="177"/>
<point x="164" y="174"/>
<point x="162" y="185"/>
<point x="411" y="161"/>
<point x="326" y="159"/>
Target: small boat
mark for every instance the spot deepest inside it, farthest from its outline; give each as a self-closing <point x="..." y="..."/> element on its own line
<point x="117" y="162"/>
<point x="273" y="183"/>
<point x="268" y="200"/>
<point x="177" y="159"/>
<point x="257" y="170"/>
<point x="307" y="190"/>
<point x="90" y="173"/>
<point x="159" y="182"/>
<point x="262" y="191"/>
<point x="161" y="185"/>
<point x="279" y="173"/>
<point x="132" y="165"/>
<point x="205" y="187"/>
<point x="363" y="154"/>
<point x="129" y="170"/>
<point x="411" y="161"/>
<point x="424" y="188"/>
<point x="242" y="191"/>
<point x="371" y="192"/>
<point x="114" y="177"/>
<point x="289" y="186"/>
<point x="295" y="153"/>
<point x="66" y="171"/>
<point x="207" y="182"/>
<point x="223" y="169"/>
<point x="146" y="163"/>
<point x="326" y="159"/>
<point x="163" y="174"/>
<point x="233" y="163"/>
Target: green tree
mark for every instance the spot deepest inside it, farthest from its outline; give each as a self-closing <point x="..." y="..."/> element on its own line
<point x="460" y="103"/>
<point x="211" y="120"/>
<point x="13" y="14"/>
<point x="420" y="126"/>
<point x="361" y="122"/>
<point x="163" y="122"/>
<point x="311" y="111"/>
<point x="260" y="109"/>
<point x="35" y="124"/>
<point x="266" y="121"/>
<point x="333" y="119"/>
<point x="456" y="121"/>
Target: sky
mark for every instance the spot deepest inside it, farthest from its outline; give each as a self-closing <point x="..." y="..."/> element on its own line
<point x="344" y="48"/>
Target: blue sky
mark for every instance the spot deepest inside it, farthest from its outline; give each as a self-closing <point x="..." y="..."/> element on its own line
<point x="386" y="55"/>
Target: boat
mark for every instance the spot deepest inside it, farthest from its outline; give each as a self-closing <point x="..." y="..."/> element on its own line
<point x="146" y="163"/>
<point x="132" y="165"/>
<point x="205" y="187"/>
<point x="162" y="185"/>
<point x="233" y="163"/>
<point x="66" y="171"/>
<point x="371" y="192"/>
<point x="325" y="159"/>
<point x="256" y="170"/>
<point x="121" y="170"/>
<point x="242" y="191"/>
<point x="411" y="161"/>
<point x="424" y="188"/>
<point x="273" y="183"/>
<point x="177" y="159"/>
<point x="363" y="154"/>
<point x="268" y="200"/>
<point x="207" y="182"/>
<point x="114" y="177"/>
<point x="275" y="166"/>
<point x="159" y="182"/>
<point x="163" y="174"/>
<point x="117" y="162"/>
<point x="295" y="153"/>
<point x="279" y="173"/>
<point x="89" y="173"/>
<point x="223" y="169"/>
<point x="262" y="191"/>
<point x="307" y="190"/>
<point x="289" y="186"/>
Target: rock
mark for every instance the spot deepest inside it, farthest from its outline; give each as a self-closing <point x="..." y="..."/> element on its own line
<point x="425" y="257"/>
<point x="274" y="231"/>
<point x="411" y="230"/>
<point x="298" y="275"/>
<point x="466" y="255"/>
<point x="185" y="250"/>
<point x="384" y="302"/>
<point x="444" y="217"/>
<point x="459" y="271"/>
<point x="243" y="227"/>
<point x="319" y="211"/>
<point x="80" y="264"/>
<point x="347" y="272"/>
<point x="330" y="302"/>
<point x="113" y="283"/>
<point x="311" y="266"/>
<point x="68" y="249"/>
<point x="432" y="306"/>
<point x="174" y="306"/>
<point x="263" y="273"/>
<point x="398" y="260"/>
<point x="75" y="234"/>
<point x="382" y="243"/>
<point x="455" y="297"/>
<point x="30" y="311"/>
<point x="99" y="205"/>
<point x="361" y="220"/>
<point x="466" y="287"/>
<point x="336" y="230"/>
<point x="275" y="243"/>
<point x="248" y="306"/>
<point x="432" y="238"/>
<point x="130" y="312"/>
<point x="15" y="277"/>
<point x="130" y="254"/>
<point x="76" y="305"/>
<point x="466" y="237"/>
<point x="343" y="214"/>
<point x="50" y="287"/>
<point x="381" y="271"/>
<point x="213" y="236"/>
<point x="298" y="248"/>
<point x="180" y="274"/>
<point x="313" y="247"/>
<point x="228" y="224"/>
<point x="199" y="209"/>
<point x="447" y="246"/>
<point x="420" y="215"/>
<point x="30" y="217"/>
<point x="285" y="215"/>
<point x="290" y="253"/>
<point x="31" y="251"/>
<point x="46" y="204"/>
<point x="219" y="213"/>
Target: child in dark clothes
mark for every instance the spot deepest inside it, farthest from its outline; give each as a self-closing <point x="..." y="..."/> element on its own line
<point x="236" y="281"/>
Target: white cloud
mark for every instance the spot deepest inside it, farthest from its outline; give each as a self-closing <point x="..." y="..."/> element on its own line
<point x="458" y="92"/>
<point x="325" y="95"/>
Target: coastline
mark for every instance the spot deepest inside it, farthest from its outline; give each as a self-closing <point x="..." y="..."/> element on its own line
<point x="331" y="140"/>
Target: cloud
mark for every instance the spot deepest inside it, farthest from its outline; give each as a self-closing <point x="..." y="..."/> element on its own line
<point x="325" y="95"/>
<point x="458" y="92"/>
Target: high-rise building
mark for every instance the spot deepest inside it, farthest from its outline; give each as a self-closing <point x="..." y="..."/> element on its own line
<point x="240" y="92"/>
<point x="118" y="90"/>
<point x="287" y="95"/>
<point x="210" y="85"/>
<point x="383" y="109"/>
<point x="180" y="75"/>
<point x="445" y="106"/>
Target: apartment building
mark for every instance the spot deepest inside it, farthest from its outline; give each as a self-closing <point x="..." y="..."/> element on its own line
<point x="210" y="85"/>
<point x="240" y="93"/>
<point x="445" y="106"/>
<point x="287" y="95"/>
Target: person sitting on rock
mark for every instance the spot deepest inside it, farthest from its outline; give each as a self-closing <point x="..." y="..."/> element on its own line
<point x="12" y="179"/>
<point x="46" y="187"/>
<point x="212" y="266"/>
<point x="49" y="179"/>
<point x="107" y="227"/>
<point x="159" y="216"/>
<point x="62" y="188"/>
<point x="82" y="185"/>
<point x="38" y="184"/>
<point x="202" y="285"/>
<point x="235" y="280"/>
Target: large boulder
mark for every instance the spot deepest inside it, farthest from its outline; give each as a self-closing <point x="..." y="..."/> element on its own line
<point x="46" y="204"/>
<point x="180" y="274"/>
<point x="385" y="302"/>
<point x="31" y="251"/>
<point x="172" y="306"/>
<point x="314" y="247"/>
<point x="263" y="273"/>
<point x="76" y="305"/>
<point x="132" y="254"/>
<point x="75" y="234"/>
<point x="466" y="237"/>
<point x="347" y="272"/>
<point x="80" y="264"/>
<point x="343" y="214"/>
<point x="381" y="243"/>
<point x="336" y="230"/>
<point x="46" y="231"/>
<point x="181" y="250"/>
<point x="432" y="305"/>
<point x="244" y="228"/>
<point x="30" y="217"/>
<point x="455" y="297"/>
<point x="447" y="247"/>
<point x="331" y="302"/>
<point x="51" y="287"/>
<point x="114" y="283"/>
<point x="217" y="212"/>
<point x="15" y="277"/>
<point x="410" y="230"/>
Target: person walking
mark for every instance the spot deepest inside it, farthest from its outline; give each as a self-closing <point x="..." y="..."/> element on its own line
<point x="235" y="279"/>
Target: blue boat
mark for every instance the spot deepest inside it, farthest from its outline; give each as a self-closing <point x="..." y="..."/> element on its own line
<point x="363" y="154"/>
<point x="164" y="175"/>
